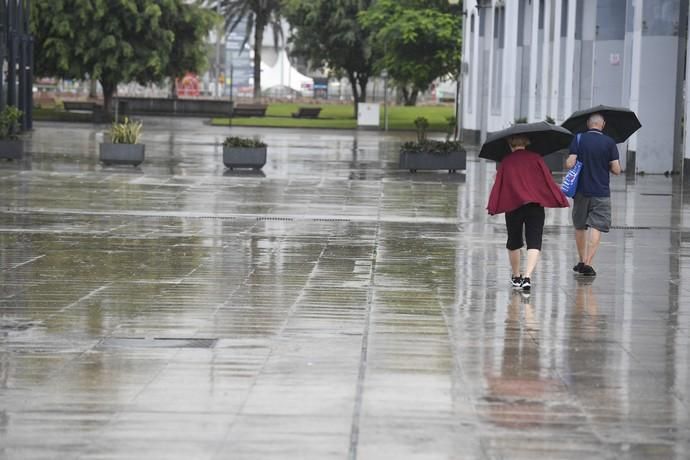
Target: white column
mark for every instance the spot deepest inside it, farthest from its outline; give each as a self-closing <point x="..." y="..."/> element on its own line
<point x="635" y="66"/>
<point x="556" y="61"/>
<point x="489" y="14"/>
<point x="569" y="59"/>
<point x="509" y="61"/>
<point x="473" y="89"/>
<point x="534" y="49"/>
<point x="546" y="64"/>
<point x="463" y="99"/>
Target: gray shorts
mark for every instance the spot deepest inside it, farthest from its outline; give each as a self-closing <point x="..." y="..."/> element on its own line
<point x="592" y="211"/>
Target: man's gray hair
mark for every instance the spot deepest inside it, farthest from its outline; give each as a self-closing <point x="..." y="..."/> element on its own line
<point x="595" y="119"/>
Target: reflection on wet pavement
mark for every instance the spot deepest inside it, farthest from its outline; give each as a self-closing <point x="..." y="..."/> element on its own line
<point x="330" y="306"/>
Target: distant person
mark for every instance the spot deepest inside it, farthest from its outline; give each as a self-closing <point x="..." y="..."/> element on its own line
<point x="592" y="203"/>
<point x="523" y="188"/>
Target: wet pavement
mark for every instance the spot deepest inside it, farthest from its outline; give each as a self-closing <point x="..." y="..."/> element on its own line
<point x="329" y="307"/>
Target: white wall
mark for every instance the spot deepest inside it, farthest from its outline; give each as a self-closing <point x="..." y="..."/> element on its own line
<point x="628" y="61"/>
<point x="657" y="101"/>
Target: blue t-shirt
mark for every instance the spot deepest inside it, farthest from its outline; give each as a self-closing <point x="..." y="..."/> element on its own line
<point x="595" y="150"/>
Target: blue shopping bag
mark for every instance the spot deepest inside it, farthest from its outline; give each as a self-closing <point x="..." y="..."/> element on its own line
<point x="569" y="186"/>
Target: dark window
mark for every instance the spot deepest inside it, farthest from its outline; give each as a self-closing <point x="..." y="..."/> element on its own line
<point x="522" y="10"/>
<point x="502" y="25"/>
<point x="564" y="18"/>
<point x="497" y="22"/>
<point x="611" y="20"/>
<point x="541" y="14"/>
<point x="482" y="21"/>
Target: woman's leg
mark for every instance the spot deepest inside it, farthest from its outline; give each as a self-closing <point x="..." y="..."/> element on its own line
<point x="532" y="260"/>
<point x="514" y="256"/>
<point x="514" y="222"/>
<point x="534" y="230"/>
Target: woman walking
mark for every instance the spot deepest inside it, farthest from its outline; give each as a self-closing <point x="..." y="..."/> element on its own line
<point x="523" y="188"/>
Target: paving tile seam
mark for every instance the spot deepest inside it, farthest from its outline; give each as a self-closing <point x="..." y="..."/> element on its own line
<point x="292" y="218"/>
<point x="359" y="391"/>
<point x="236" y="216"/>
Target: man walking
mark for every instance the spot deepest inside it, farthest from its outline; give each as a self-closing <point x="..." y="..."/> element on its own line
<point x="592" y="203"/>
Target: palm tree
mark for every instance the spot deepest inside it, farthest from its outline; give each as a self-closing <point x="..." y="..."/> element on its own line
<point x="259" y="14"/>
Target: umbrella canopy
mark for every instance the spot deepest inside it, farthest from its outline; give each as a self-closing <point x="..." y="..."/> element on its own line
<point x="621" y="123"/>
<point x="544" y="139"/>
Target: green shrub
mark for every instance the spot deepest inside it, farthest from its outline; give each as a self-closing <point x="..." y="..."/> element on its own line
<point x="9" y="117"/>
<point x="452" y="127"/>
<point x="243" y="142"/>
<point x="127" y="132"/>
<point x="431" y="146"/>
<point x="520" y="120"/>
<point x="422" y="124"/>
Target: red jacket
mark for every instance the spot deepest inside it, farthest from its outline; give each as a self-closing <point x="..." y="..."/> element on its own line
<point x="522" y="178"/>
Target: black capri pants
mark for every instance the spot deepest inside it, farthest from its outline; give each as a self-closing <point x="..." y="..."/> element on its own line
<point x="531" y="216"/>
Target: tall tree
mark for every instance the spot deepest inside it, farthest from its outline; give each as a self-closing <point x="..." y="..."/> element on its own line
<point x="191" y="25"/>
<point x="328" y="34"/>
<point x="259" y="14"/>
<point x="420" y="41"/>
<point x="113" y="41"/>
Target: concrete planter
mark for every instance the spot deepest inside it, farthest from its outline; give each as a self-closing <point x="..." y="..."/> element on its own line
<point x="452" y="161"/>
<point x="126" y="154"/>
<point x="244" y="157"/>
<point x="11" y="149"/>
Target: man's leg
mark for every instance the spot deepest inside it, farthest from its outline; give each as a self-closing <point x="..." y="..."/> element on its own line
<point x="599" y="221"/>
<point x="581" y="241"/>
<point x="580" y="214"/>
<point x="592" y="245"/>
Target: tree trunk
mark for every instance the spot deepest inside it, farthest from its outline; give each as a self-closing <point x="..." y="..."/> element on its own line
<point x="362" y="80"/>
<point x="108" y="91"/>
<point x="173" y="88"/>
<point x="355" y="92"/>
<point x="409" y="96"/>
<point x="258" y="43"/>
<point x="413" y="97"/>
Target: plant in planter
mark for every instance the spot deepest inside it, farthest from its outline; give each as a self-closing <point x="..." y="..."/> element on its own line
<point x="11" y="147"/>
<point x="124" y="146"/>
<point x="430" y="154"/>
<point x="241" y="152"/>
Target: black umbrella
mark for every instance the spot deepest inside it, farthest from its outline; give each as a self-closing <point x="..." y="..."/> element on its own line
<point x="620" y="122"/>
<point x="544" y="139"/>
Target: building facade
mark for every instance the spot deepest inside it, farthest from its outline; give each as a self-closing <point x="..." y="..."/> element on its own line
<point x="539" y="59"/>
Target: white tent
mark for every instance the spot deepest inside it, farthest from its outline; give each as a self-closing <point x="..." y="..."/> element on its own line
<point x="282" y="73"/>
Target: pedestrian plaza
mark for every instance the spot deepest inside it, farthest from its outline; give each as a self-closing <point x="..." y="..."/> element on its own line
<point x="330" y="306"/>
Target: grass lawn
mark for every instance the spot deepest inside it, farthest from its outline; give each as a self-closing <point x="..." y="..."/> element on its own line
<point x="341" y="117"/>
<point x="332" y="116"/>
